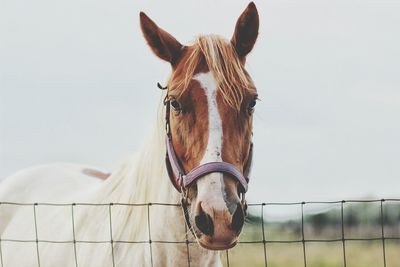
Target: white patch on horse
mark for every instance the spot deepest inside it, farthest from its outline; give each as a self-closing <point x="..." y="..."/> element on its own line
<point x="213" y="149"/>
<point x="213" y="185"/>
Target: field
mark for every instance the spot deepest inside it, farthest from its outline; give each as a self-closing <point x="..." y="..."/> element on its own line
<point x="358" y="254"/>
<point x="284" y="247"/>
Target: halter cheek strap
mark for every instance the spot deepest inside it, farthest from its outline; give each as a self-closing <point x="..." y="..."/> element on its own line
<point x="182" y="180"/>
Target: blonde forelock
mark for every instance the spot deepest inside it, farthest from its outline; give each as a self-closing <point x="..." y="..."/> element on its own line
<point x="222" y="61"/>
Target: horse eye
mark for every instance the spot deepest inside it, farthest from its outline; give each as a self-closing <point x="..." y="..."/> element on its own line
<point x="252" y="104"/>
<point x="175" y="105"/>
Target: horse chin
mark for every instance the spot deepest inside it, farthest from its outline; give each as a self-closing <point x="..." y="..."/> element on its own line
<point x="211" y="244"/>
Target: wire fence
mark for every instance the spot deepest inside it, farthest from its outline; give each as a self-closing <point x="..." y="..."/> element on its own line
<point x="261" y="233"/>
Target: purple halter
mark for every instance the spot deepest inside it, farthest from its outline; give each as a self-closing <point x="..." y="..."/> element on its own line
<point x="182" y="180"/>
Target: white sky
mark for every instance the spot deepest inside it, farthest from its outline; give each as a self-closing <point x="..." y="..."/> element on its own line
<point x="77" y="84"/>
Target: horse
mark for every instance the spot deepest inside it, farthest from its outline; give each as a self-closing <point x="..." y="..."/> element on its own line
<point x="75" y="215"/>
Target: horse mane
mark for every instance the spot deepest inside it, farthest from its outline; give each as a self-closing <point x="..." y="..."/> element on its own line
<point x="134" y="180"/>
<point x="220" y="56"/>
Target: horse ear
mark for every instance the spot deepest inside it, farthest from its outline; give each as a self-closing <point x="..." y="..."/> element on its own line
<point x="246" y="31"/>
<point x="163" y="44"/>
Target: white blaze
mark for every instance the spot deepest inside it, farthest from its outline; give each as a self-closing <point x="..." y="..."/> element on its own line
<point x="211" y="185"/>
<point x="213" y="149"/>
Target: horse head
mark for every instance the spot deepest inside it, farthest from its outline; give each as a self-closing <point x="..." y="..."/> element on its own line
<point x="209" y="106"/>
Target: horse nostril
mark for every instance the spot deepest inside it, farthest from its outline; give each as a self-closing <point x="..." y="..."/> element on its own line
<point x="238" y="219"/>
<point x="204" y="223"/>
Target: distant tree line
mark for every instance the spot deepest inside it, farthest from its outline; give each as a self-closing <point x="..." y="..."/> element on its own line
<point x="353" y="215"/>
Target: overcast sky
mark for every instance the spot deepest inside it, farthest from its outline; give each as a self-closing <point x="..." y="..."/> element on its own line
<point x="77" y="84"/>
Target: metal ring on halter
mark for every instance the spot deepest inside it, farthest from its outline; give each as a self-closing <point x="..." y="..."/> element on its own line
<point x="167" y="129"/>
<point x="182" y="178"/>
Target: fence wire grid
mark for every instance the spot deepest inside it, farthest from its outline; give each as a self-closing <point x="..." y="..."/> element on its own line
<point x="262" y="239"/>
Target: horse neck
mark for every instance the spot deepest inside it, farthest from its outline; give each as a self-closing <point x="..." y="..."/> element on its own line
<point x="143" y="179"/>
